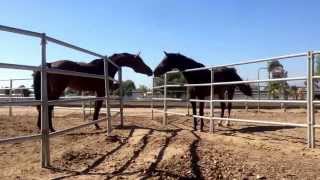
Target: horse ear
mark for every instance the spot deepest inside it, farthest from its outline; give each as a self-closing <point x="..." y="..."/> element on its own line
<point x="165" y="53"/>
<point x="138" y="54"/>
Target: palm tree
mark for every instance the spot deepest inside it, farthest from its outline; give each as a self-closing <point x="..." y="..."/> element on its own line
<point x="275" y="89"/>
<point x="317" y="66"/>
<point x="294" y="92"/>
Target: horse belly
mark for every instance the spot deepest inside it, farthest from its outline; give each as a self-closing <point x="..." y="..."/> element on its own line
<point x="86" y="84"/>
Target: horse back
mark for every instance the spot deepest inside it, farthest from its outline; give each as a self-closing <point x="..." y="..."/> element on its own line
<point x="78" y="67"/>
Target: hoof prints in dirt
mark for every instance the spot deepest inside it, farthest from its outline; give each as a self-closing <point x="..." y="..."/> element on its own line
<point x="116" y="138"/>
<point x="74" y="157"/>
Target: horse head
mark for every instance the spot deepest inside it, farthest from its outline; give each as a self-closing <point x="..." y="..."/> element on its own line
<point x="174" y="61"/>
<point x="133" y="61"/>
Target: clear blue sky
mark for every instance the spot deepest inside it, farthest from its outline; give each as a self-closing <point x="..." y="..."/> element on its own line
<point x="213" y="32"/>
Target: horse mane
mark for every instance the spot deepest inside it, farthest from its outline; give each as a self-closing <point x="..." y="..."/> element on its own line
<point x="99" y="62"/>
<point x="190" y="63"/>
<point x="113" y="58"/>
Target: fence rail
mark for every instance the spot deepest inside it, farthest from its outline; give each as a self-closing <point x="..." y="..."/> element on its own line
<point x="78" y="74"/>
<point x="44" y="102"/>
<point x="309" y="102"/>
<point x="237" y="100"/>
<point x="246" y="62"/>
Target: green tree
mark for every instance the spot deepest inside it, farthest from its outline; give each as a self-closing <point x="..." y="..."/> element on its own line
<point x="176" y="78"/>
<point x="143" y="88"/>
<point x="127" y="87"/>
<point x="294" y="92"/>
<point x="273" y="64"/>
<point x="275" y="89"/>
<point x="173" y="78"/>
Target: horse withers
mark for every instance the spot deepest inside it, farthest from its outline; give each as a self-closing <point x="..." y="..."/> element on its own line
<point x="58" y="83"/>
<point x="223" y="74"/>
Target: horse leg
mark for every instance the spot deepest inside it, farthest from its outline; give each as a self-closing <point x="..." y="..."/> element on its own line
<point x="50" y="110"/>
<point x="222" y="106"/>
<point x="230" y="97"/>
<point x="97" y="108"/>
<point x="59" y="83"/>
<point x="194" y="112"/>
<point x="201" y="108"/>
<point x="39" y="117"/>
<point x="229" y="112"/>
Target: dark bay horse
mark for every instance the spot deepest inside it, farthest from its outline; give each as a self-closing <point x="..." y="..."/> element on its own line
<point x="224" y="74"/>
<point x="58" y="83"/>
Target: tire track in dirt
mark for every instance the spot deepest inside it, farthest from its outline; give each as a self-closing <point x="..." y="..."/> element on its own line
<point x="146" y="164"/>
<point x="146" y="157"/>
<point x="136" y="153"/>
<point x="178" y="153"/>
<point x="95" y="163"/>
<point x="195" y="159"/>
<point x="125" y="156"/>
<point x="160" y="154"/>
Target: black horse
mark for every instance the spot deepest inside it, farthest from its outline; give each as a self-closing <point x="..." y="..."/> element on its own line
<point x="223" y="74"/>
<point x="58" y="83"/>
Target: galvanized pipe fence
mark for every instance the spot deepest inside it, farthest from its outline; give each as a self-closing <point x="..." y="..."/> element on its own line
<point x="309" y="102"/>
<point x="45" y="135"/>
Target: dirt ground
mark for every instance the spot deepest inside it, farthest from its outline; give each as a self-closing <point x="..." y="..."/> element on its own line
<point x="144" y="149"/>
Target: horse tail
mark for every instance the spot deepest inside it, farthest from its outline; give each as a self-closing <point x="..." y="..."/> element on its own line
<point x="244" y="88"/>
<point x="37" y="83"/>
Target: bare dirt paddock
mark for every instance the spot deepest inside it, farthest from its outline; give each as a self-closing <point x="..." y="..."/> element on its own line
<point x="144" y="149"/>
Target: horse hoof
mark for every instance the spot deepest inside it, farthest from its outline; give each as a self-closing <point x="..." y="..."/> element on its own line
<point x="98" y="128"/>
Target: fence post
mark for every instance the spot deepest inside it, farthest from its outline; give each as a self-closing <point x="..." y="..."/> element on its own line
<point x="151" y="103"/>
<point x="90" y="107"/>
<point x="310" y="106"/>
<point x="188" y="102"/>
<point x="259" y="92"/>
<point x="83" y="106"/>
<point x="121" y="96"/>
<point x="246" y="105"/>
<point x="10" y="95"/>
<point x="211" y="101"/>
<point x="45" y="146"/>
<point x="107" y="99"/>
<point x="164" y="122"/>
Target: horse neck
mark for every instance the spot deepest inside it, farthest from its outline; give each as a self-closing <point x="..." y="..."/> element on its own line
<point x="124" y="62"/>
<point x="120" y="62"/>
<point x="193" y="76"/>
<point x="187" y="63"/>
